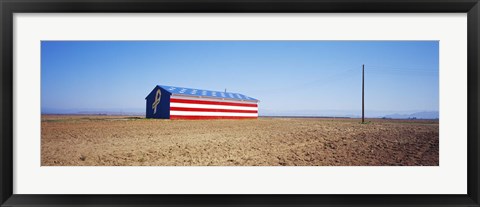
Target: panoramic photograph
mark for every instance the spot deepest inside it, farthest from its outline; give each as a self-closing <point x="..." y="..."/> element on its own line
<point x="240" y="103"/>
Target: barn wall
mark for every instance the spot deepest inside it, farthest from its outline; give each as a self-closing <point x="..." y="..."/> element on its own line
<point x="163" y="108"/>
<point x="195" y="108"/>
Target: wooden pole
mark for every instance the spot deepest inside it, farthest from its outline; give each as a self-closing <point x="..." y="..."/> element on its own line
<point x="363" y="93"/>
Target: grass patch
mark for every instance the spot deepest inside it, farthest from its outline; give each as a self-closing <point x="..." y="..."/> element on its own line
<point x="55" y="120"/>
<point x="134" y="117"/>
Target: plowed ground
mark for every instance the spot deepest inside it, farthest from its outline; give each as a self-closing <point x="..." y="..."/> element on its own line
<point x="135" y="141"/>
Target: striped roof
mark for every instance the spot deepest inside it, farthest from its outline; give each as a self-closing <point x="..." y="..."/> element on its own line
<point x="206" y="93"/>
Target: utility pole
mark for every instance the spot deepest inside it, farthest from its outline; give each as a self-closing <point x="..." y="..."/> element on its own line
<point x="363" y="93"/>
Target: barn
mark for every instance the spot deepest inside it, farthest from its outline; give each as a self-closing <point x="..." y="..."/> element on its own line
<point x="171" y="102"/>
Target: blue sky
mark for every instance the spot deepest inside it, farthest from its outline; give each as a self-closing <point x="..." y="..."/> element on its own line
<point x="288" y="77"/>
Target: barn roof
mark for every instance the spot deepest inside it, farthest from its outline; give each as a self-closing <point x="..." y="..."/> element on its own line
<point x="205" y="93"/>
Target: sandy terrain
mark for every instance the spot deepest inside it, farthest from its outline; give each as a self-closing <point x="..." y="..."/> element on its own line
<point x="115" y="140"/>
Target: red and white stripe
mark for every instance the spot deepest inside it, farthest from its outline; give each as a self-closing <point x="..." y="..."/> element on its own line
<point x="197" y="108"/>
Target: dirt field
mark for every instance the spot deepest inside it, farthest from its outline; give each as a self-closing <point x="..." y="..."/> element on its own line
<point x="115" y="140"/>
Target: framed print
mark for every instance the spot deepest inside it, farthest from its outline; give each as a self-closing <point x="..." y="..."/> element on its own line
<point x="245" y="103"/>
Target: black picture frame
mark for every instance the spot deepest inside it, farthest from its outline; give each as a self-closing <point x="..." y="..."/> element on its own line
<point x="9" y="7"/>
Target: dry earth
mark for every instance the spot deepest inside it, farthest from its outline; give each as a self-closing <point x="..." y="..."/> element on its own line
<point x="117" y="141"/>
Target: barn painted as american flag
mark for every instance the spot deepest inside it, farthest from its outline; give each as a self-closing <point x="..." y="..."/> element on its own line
<point x="171" y="102"/>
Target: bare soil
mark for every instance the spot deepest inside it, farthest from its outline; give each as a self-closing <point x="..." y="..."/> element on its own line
<point x="135" y="141"/>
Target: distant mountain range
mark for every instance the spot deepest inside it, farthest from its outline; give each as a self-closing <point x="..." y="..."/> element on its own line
<point x="418" y="115"/>
<point x="93" y="111"/>
<point x="355" y="114"/>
